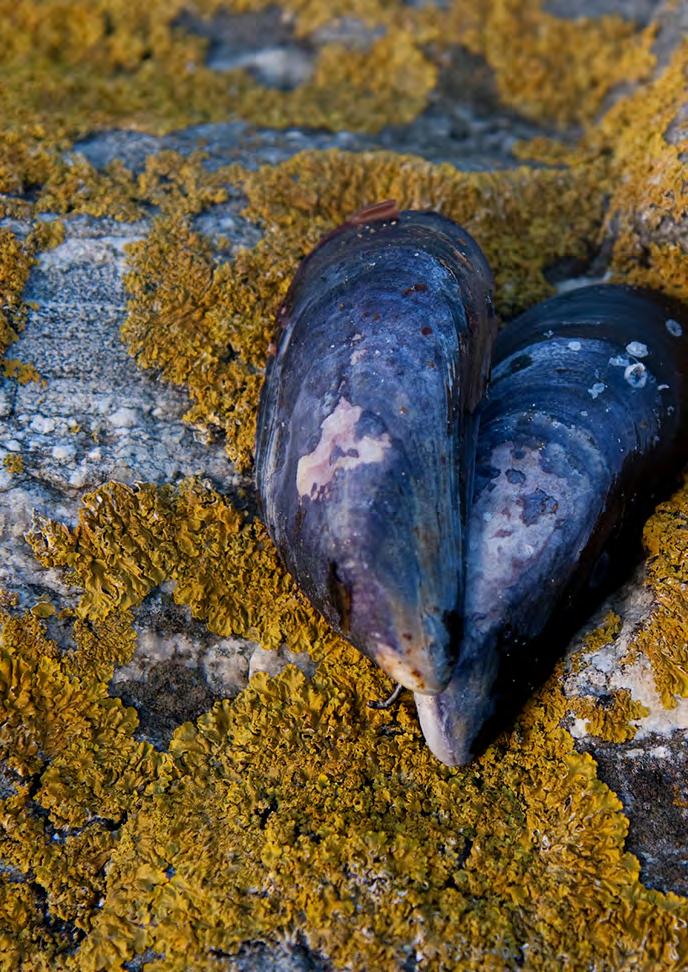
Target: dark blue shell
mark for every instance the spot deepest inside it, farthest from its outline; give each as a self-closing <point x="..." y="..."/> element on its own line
<point x="585" y="425"/>
<point x="366" y="438"/>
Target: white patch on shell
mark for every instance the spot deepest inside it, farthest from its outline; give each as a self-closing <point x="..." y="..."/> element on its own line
<point x="596" y="389"/>
<point x="574" y="345"/>
<point x="338" y="448"/>
<point x="509" y="545"/>
<point x="357" y="355"/>
<point x="636" y="375"/>
<point x="637" y="349"/>
<point x="673" y="327"/>
<point x="619" y="361"/>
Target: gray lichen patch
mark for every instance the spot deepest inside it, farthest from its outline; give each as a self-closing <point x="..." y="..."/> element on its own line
<point x="179" y="668"/>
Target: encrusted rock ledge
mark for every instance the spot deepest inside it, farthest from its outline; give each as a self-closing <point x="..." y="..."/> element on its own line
<point x="191" y="775"/>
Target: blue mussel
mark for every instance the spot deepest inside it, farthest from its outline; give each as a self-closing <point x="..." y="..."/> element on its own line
<point x="461" y="561"/>
<point x="366" y="433"/>
<point x="585" y="427"/>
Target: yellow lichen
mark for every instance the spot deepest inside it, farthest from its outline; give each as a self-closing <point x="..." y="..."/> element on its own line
<point x="643" y="139"/>
<point x="296" y="808"/>
<point x="603" y="634"/>
<point x="16" y="259"/>
<point x="70" y="68"/>
<point x="549" y="68"/>
<point x="664" y="638"/>
<point x="15" y="263"/>
<point x="19" y="370"/>
<point x="609" y="718"/>
<point x="13" y="463"/>
<point x="131" y="538"/>
<point x="557" y="70"/>
<point x="593" y="640"/>
<point x="209" y="325"/>
<point x="649" y="188"/>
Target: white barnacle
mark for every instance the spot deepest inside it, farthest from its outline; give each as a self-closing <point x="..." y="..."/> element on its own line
<point x="637" y="349"/>
<point x="596" y="389"/>
<point x="574" y="345"/>
<point x="636" y="375"/>
<point x="673" y="327"/>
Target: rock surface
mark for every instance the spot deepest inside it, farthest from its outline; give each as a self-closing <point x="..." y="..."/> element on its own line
<point x="96" y="416"/>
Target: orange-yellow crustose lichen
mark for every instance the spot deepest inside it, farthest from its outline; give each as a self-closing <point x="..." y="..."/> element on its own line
<point x="131" y="538"/>
<point x="610" y="719"/>
<point x="295" y="808"/>
<point x="69" y="69"/>
<point x="649" y="196"/>
<point x="663" y="637"/>
<point x="664" y="641"/>
<point x="550" y="69"/>
<point x="13" y="463"/>
<point x="209" y="325"/>
<point x="646" y="145"/>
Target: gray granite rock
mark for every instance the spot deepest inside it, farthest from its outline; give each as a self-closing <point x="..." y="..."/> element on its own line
<point x="98" y="417"/>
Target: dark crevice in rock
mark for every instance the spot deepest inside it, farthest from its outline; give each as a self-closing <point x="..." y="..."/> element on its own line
<point x="649" y="778"/>
<point x="171" y="694"/>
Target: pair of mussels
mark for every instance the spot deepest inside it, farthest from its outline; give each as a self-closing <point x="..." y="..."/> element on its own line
<point x="459" y="538"/>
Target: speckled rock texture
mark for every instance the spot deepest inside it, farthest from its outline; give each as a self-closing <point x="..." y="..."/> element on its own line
<point x="190" y="774"/>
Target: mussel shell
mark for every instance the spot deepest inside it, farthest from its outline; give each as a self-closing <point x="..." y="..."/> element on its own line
<point x="366" y="435"/>
<point x="585" y="426"/>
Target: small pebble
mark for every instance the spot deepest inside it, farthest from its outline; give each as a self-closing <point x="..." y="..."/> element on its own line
<point x="124" y="418"/>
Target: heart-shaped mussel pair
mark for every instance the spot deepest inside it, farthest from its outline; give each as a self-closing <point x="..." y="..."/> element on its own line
<point x="457" y="537"/>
